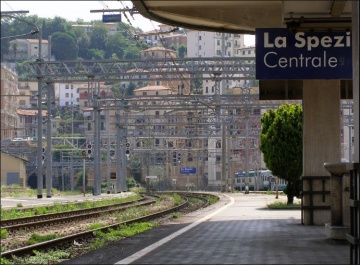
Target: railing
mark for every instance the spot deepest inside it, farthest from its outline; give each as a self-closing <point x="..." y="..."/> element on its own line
<point x="312" y="193"/>
<point x="354" y="236"/>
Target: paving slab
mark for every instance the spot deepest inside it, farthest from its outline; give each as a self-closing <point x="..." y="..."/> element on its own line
<point x="239" y="229"/>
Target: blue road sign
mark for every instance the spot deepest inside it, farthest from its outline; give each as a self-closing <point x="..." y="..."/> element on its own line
<point x="111" y="18"/>
<point x="188" y="170"/>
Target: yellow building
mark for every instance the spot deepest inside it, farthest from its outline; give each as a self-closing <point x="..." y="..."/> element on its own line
<point x="13" y="170"/>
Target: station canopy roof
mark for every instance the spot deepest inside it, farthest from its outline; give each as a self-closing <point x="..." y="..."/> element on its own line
<point x="244" y="16"/>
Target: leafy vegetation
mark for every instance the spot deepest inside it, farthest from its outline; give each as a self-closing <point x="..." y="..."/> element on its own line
<point x="281" y="144"/>
<point x="212" y="199"/>
<point x="40" y="258"/>
<point x="94" y="226"/>
<point x="177" y="199"/>
<point x="58" y="207"/>
<point x="116" y="234"/>
<point x="36" y="238"/>
<point x="102" y="237"/>
<point x="283" y="206"/>
<point x="3" y="233"/>
<point x="175" y="215"/>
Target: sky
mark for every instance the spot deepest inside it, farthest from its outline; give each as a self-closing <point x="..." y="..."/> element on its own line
<point x="73" y="10"/>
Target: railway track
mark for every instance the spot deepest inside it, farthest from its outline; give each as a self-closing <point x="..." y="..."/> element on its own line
<point x="35" y="222"/>
<point x="66" y="241"/>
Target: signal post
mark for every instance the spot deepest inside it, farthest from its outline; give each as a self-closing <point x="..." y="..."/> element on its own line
<point x="83" y="180"/>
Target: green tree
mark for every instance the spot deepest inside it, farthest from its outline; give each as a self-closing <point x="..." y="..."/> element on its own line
<point x="182" y="50"/>
<point x="64" y="46"/>
<point x="130" y="89"/>
<point x="116" y="44"/>
<point x="96" y="54"/>
<point x="50" y="26"/>
<point x="132" y="52"/>
<point x="83" y="42"/>
<point x="281" y="145"/>
<point x="14" y="48"/>
<point x="98" y="37"/>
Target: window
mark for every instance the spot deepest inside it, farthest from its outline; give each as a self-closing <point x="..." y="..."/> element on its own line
<point x="144" y="93"/>
<point x="89" y="126"/>
<point x="199" y="37"/>
<point x="256" y="111"/>
<point x="72" y="86"/>
<point x="190" y="157"/>
<point x="243" y="52"/>
<point x="206" y="90"/>
<point x="66" y="86"/>
<point x="218" y="144"/>
<point x="249" y="51"/>
<point x="157" y="114"/>
<point x="218" y="42"/>
<point x="66" y="95"/>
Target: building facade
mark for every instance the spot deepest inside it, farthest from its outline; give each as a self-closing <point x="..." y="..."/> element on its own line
<point x="9" y="102"/>
<point x="27" y="49"/>
<point x="13" y="170"/>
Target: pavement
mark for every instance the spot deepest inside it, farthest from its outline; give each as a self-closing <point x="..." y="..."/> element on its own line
<point x="239" y="229"/>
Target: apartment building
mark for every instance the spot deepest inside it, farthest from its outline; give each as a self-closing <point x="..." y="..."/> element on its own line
<point x="88" y="28"/>
<point x="219" y="45"/>
<point x="213" y="44"/>
<point x="28" y="123"/>
<point x="9" y="102"/>
<point x="67" y="94"/>
<point x="169" y="40"/>
<point x="26" y="49"/>
<point x="28" y="91"/>
<point x="158" y="52"/>
<point x="165" y="36"/>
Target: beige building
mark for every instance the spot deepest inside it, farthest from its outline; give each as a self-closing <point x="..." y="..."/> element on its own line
<point x="13" y="170"/>
<point x="9" y="102"/>
<point x="173" y="39"/>
<point x="27" y="94"/>
<point x="158" y="52"/>
<point x="111" y="27"/>
<point x="27" y="123"/>
<point x="26" y="49"/>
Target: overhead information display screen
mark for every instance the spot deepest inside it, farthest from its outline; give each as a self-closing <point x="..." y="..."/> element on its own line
<point x="281" y="54"/>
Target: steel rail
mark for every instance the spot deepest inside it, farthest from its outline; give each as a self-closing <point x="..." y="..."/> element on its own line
<point x="90" y="233"/>
<point x="69" y="216"/>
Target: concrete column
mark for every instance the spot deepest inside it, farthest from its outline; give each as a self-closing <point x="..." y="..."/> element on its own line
<point x="321" y="142"/>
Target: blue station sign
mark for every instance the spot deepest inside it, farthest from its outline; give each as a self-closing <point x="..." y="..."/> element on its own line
<point x="111" y="18"/>
<point x="188" y="170"/>
<point x="281" y="54"/>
